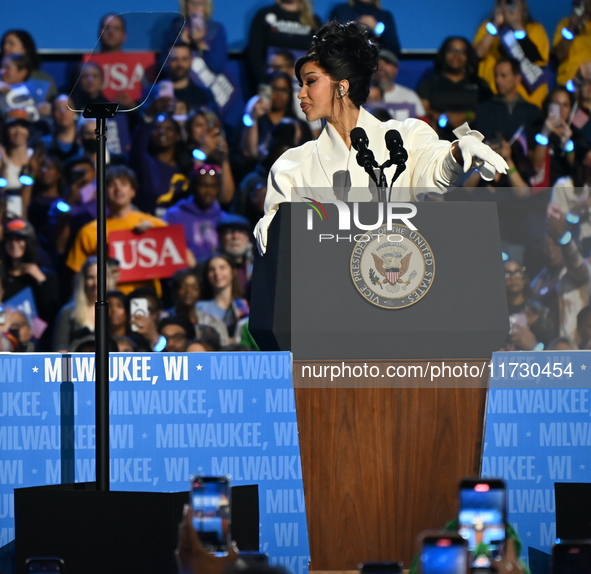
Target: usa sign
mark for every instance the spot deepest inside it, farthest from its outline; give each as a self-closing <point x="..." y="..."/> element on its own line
<point x="156" y="254"/>
<point x="127" y="72"/>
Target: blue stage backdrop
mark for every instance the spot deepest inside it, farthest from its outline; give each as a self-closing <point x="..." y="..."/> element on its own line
<point x="176" y="415"/>
<point x="172" y="416"/>
<point x="538" y="432"/>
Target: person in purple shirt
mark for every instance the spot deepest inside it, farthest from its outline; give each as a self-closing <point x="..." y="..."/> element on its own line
<point x="201" y="212"/>
<point x="159" y="158"/>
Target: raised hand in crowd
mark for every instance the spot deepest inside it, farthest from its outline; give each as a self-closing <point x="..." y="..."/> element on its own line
<point x="192" y="558"/>
<point x="147" y="327"/>
<point x="196" y="29"/>
<point x="499" y="14"/>
<point x="261" y="107"/>
<point x="143" y="226"/>
<point x="556" y="222"/>
<point x="559" y="127"/>
<point x="521" y="335"/>
<point x="508" y="562"/>
<point x="577" y="17"/>
<point x="513" y="15"/>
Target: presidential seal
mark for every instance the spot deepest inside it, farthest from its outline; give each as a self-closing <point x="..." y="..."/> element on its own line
<point x="392" y="268"/>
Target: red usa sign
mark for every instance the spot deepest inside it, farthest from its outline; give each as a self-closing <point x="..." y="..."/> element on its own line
<point x="156" y="254"/>
<point x="125" y="72"/>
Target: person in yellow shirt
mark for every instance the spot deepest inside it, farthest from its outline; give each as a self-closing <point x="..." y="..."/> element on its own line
<point x="572" y="41"/>
<point x="121" y="184"/>
<point x="511" y="32"/>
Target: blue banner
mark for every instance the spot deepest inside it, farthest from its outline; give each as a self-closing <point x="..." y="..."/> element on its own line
<point x="538" y="432"/>
<point x="23" y="301"/>
<point x="171" y="416"/>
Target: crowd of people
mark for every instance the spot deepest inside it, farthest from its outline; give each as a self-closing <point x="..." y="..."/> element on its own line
<point x="181" y="159"/>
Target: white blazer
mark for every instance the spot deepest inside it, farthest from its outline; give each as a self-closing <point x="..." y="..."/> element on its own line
<point x="326" y="169"/>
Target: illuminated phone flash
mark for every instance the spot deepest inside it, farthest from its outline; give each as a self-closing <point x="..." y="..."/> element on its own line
<point x="482" y="488"/>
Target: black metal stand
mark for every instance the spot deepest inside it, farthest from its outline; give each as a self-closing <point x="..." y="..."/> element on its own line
<point x="116" y="532"/>
<point x="101" y="112"/>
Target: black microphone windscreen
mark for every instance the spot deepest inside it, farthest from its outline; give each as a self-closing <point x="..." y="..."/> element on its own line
<point x="393" y="139"/>
<point x="358" y="136"/>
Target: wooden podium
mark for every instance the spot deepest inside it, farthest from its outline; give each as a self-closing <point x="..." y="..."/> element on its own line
<point x="382" y="455"/>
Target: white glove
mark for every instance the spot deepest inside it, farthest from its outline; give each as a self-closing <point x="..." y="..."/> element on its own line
<point x="478" y="155"/>
<point x="261" y="231"/>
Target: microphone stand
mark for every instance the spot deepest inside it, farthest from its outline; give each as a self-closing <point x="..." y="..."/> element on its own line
<point x="383" y="185"/>
<point x="400" y="163"/>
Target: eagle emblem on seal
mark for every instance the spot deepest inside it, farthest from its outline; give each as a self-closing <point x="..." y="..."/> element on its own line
<point x="392" y="270"/>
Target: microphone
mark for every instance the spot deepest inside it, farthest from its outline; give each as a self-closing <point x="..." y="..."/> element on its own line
<point x="395" y="145"/>
<point x="398" y="154"/>
<point x="365" y="157"/>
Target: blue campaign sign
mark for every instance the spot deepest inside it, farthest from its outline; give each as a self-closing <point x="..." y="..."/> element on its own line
<point x="171" y="417"/>
<point x="538" y="432"/>
<point x="23" y="301"/>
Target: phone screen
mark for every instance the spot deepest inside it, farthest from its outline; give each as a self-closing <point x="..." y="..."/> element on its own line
<point x="444" y="555"/>
<point x="571" y="557"/>
<point x="14" y="205"/>
<point x="554" y="111"/>
<point x="265" y="92"/>
<point x="197" y="22"/>
<point x="138" y="307"/>
<point x="210" y="503"/>
<point x="482" y="518"/>
<point x="165" y="89"/>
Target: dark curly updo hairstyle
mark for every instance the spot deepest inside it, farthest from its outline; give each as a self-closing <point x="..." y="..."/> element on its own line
<point x="344" y="52"/>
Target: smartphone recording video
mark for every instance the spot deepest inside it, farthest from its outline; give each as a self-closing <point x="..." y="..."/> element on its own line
<point x="210" y="504"/>
<point x="482" y="518"/>
<point x="138" y="307"/>
<point x="554" y="111"/>
<point x="443" y="553"/>
<point x="165" y="89"/>
<point x="265" y="92"/>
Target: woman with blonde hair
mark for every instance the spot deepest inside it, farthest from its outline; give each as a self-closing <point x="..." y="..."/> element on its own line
<point x="288" y="24"/>
<point x="206" y="37"/>
<point x="78" y="313"/>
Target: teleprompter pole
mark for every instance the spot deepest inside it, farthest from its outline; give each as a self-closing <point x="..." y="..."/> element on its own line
<point x="101" y="112"/>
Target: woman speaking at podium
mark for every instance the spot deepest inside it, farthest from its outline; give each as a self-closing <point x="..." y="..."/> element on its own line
<point x="335" y="77"/>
